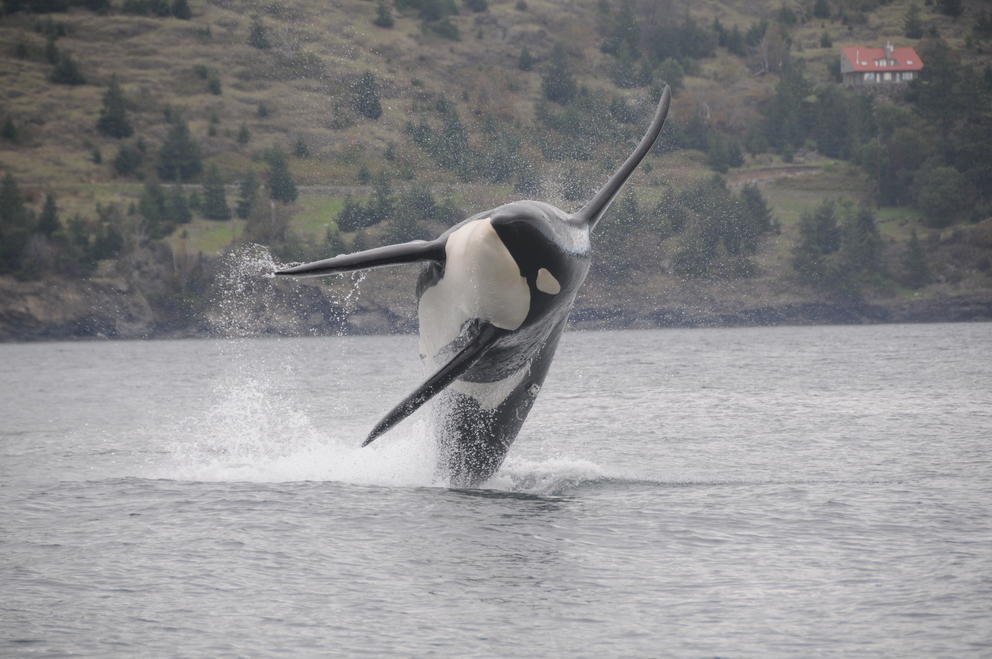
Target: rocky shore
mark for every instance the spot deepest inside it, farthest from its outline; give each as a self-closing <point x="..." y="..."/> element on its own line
<point x="73" y="309"/>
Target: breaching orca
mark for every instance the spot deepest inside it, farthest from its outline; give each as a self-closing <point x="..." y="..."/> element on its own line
<point x="493" y="298"/>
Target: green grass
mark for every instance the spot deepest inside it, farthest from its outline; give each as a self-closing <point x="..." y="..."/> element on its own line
<point x="206" y="236"/>
<point x="317" y="212"/>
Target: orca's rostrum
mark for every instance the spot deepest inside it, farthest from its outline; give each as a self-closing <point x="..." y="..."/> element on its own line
<point x="493" y="296"/>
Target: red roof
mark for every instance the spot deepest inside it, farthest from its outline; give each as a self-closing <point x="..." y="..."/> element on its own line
<point x="863" y="59"/>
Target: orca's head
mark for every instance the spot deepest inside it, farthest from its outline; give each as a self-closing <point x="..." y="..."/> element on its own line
<point x="551" y="252"/>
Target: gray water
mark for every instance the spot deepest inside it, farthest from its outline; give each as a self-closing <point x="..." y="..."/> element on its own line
<point x="738" y="493"/>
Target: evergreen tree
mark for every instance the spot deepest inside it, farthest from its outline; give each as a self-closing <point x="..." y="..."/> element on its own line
<point x="821" y="9"/>
<point x="381" y="205"/>
<point x="787" y="115"/>
<point x="179" y="156"/>
<point x="113" y="120"/>
<point x="300" y="149"/>
<point x="672" y="73"/>
<point x="243" y="134"/>
<point x="66" y="71"/>
<point x="825" y="40"/>
<point x="912" y="23"/>
<point x="281" y="184"/>
<point x="153" y="206"/>
<point x="624" y="33"/>
<point x="213" y="84"/>
<point x="181" y="10"/>
<point x="365" y="96"/>
<point x="352" y="216"/>
<point x="755" y="215"/>
<point x="177" y="207"/>
<point x="819" y="237"/>
<point x="334" y="241"/>
<point x="258" y="34"/>
<point x="15" y="225"/>
<point x="525" y="62"/>
<point x="383" y="15"/>
<point x="9" y="130"/>
<point x="558" y="83"/>
<point x="128" y="160"/>
<point x="476" y="5"/>
<point x="247" y="195"/>
<point x="943" y="194"/>
<point x="914" y="264"/>
<point x="214" y="196"/>
<point x="48" y="221"/>
<point x="718" y="152"/>
<point x="861" y="244"/>
<point x="952" y="8"/>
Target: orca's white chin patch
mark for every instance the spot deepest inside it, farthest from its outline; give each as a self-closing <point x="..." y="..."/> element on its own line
<point x="481" y="281"/>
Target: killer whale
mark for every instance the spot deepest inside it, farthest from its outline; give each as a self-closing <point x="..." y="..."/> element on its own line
<point x="493" y="297"/>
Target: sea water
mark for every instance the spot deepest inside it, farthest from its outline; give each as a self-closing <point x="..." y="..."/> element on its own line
<point x="724" y="492"/>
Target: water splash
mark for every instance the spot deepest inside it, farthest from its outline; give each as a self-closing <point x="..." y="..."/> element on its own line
<point x="243" y="282"/>
<point x="256" y="428"/>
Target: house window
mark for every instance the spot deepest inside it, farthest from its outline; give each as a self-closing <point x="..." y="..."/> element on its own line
<point x="869" y="77"/>
<point x="888" y="76"/>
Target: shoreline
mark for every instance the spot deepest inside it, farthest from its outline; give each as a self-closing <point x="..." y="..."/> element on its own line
<point x="378" y="321"/>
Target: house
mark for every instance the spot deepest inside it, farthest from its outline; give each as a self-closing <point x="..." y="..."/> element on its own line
<point x="879" y="66"/>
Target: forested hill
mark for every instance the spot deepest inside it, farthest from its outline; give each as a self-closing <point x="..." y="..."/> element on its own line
<point x="146" y="144"/>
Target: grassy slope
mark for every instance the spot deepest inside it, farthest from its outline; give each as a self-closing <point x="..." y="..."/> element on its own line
<point x="156" y="59"/>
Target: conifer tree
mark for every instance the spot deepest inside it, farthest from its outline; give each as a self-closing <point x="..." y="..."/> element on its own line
<point x="526" y="61"/>
<point x="821" y="9"/>
<point x="819" y="236"/>
<point x="912" y="24"/>
<point x="756" y="215"/>
<point x="152" y="205"/>
<point x="558" y="83"/>
<point x="128" y="160"/>
<point x="281" y="184"/>
<point x="177" y="208"/>
<point x="9" y="130"/>
<point x="113" y="120"/>
<point x="381" y="205"/>
<point x="66" y="71"/>
<point x="179" y="156"/>
<point x="334" y="241"/>
<point x="300" y="149"/>
<point x="181" y="10"/>
<point x="365" y="96"/>
<point x="247" y="195"/>
<point x="48" y="221"/>
<point x="952" y="8"/>
<point x="15" y="225"/>
<point x="352" y="216"/>
<point x="861" y="244"/>
<point x="383" y="15"/>
<point x="258" y="35"/>
<point x="214" y="196"/>
<point x="244" y="135"/>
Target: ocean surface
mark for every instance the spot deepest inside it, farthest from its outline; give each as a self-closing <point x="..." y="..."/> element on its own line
<point x="792" y="492"/>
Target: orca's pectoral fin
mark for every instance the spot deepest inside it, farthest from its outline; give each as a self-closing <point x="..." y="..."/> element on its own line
<point x="469" y="355"/>
<point x="418" y="250"/>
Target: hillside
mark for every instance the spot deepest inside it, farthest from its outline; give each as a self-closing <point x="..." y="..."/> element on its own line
<point x="392" y="133"/>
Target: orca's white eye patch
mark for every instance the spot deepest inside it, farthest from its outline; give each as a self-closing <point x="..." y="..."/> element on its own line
<point x="546" y="282"/>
